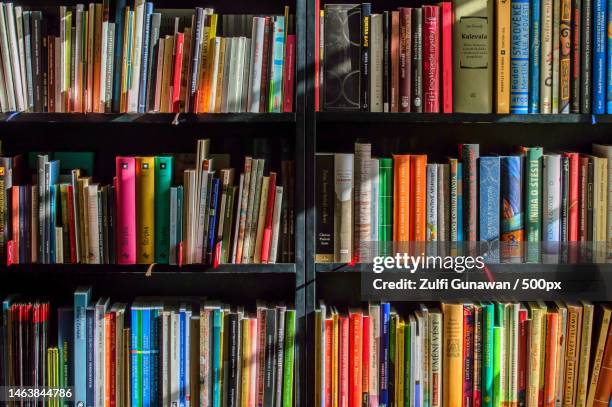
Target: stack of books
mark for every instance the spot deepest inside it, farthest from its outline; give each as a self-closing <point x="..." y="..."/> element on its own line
<point x="134" y="59"/>
<point x="560" y="199"/>
<point x="472" y="354"/>
<point x="154" y="352"/>
<point x="465" y="56"/>
<point x="60" y="215"/>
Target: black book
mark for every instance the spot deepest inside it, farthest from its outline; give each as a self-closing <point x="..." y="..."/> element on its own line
<point x="386" y="64"/>
<point x="342" y="56"/>
<point x="417" y="61"/>
<point x="366" y="11"/>
<point x="324" y="185"/>
<point x="269" y="358"/>
<point x="585" y="62"/>
<point x="576" y="55"/>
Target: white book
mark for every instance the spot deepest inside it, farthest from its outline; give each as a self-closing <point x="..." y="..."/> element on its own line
<point x="432" y="203"/>
<point x="551" y="208"/>
<point x="237" y="220"/>
<point x="228" y="57"/>
<point x="99" y="351"/>
<point x="4" y="105"/>
<point x="133" y="92"/>
<point x="363" y="201"/>
<point x="202" y="216"/>
<point x="245" y="75"/>
<point x="77" y="84"/>
<point x="214" y="73"/>
<point x="276" y="215"/>
<point x="546" y="57"/>
<point x="374" y="312"/>
<point x="512" y="342"/>
<point x="376" y="63"/>
<point x="22" y="58"/>
<point x="14" y="56"/>
<point x="375" y="177"/>
<point x="257" y="45"/>
<point x="555" y="61"/>
<point x="103" y="61"/>
<point x="94" y="225"/>
<point x="343" y="207"/>
<point x="6" y="61"/>
<point x="64" y="47"/>
<point x="239" y="75"/>
<point x="110" y="65"/>
<point x="174" y="365"/>
<point x="27" y="43"/>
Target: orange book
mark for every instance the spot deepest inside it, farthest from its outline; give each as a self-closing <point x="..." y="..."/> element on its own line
<point x="329" y="344"/>
<point x="418" y="194"/>
<point x="604" y="384"/>
<point x="343" y="361"/>
<point x="452" y="357"/>
<point x="355" y="358"/>
<point x="110" y="350"/>
<point x="572" y="354"/>
<point x="550" y="366"/>
<point x="502" y="56"/>
<point x="401" y="198"/>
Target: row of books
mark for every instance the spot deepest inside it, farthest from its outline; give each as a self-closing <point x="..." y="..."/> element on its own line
<point x="482" y="354"/>
<point x="526" y="197"/>
<point x="66" y="217"/>
<point x="483" y="56"/>
<point x="152" y="352"/>
<point x="134" y="59"/>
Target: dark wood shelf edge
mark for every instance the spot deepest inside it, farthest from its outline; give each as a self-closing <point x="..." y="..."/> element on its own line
<point x="142" y="269"/>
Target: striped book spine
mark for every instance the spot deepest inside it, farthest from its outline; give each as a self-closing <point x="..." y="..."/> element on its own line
<point x="519" y="57"/>
<point x="512" y="207"/>
<point x="489" y="203"/>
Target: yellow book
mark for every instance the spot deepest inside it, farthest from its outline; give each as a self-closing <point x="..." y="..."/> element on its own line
<point x="600" y="205"/>
<point x="145" y="209"/>
<point x="318" y="346"/>
<point x="399" y="372"/>
<point x="247" y="356"/>
<point x="220" y="67"/>
<point x="535" y="353"/>
<point x="453" y="354"/>
<point x="52" y="374"/>
<point x="335" y="345"/>
<point x="585" y="353"/>
<point x="502" y="56"/>
<point x="572" y="354"/>
<point x="208" y="43"/>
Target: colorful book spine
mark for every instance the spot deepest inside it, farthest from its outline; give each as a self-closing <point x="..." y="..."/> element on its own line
<point x="519" y="57"/>
<point x="145" y="203"/>
<point x="512" y="207"/>
<point x="163" y="183"/>
<point x="276" y="69"/>
<point x="136" y="356"/>
<point x="609" y="59"/>
<point x="431" y="59"/>
<point x="365" y="63"/>
<point x="82" y="297"/>
<point x="502" y="55"/>
<point x="384" y="396"/>
<point x="469" y="157"/>
<point x="534" y="56"/>
<point x="145" y="359"/>
<point x="499" y="366"/>
<point x="452" y="360"/>
<point x="551" y="195"/>
<point x="289" y="354"/>
<point x="599" y="56"/>
<point x="488" y="320"/>
<point x="446" y="14"/>
<point x="385" y="207"/>
<point x="126" y="215"/>
<point x="490" y="171"/>
<point x="468" y="355"/>
<point x="546" y="56"/>
<point x="576" y="55"/>
<point x="533" y="199"/>
<point x="565" y="62"/>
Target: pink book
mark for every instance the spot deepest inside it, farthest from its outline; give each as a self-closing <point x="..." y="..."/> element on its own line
<point x="178" y="70"/>
<point x="126" y="210"/>
<point x="289" y="74"/>
<point x="446" y="9"/>
<point x="431" y="58"/>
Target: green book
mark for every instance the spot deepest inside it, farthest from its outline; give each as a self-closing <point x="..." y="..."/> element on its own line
<point x="136" y="362"/>
<point x="488" y="320"/>
<point x="407" y="363"/>
<point x="163" y="182"/>
<point x="499" y="366"/>
<point x="533" y="204"/>
<point x="289" y="355"/>
<point x="385" y="206"/>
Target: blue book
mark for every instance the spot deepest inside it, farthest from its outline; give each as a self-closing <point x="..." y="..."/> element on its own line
<point x="512" y="203"/>
<point x="136" y="339"/>
<point x="82" y="297"/>
<point x="51" y="178"/>
<point x="90" y="396"/>
<point x="145" y="318"/>
<point x="609" y="71"/>
<point x="179" y="223"/>
<point x="118" y="58"/>
<point x="459" y="202"/>
<point x="146" y="37"/>
<point x="599" y="56"/>
<point x="276" y="69"/>
<point x="385" y="311"/>
<point x="212" y="222"/>
<point x="155" y="355"/>
<point x="52" y="222"/>
<point x="216" y="358"/>
<point x="65" y="347"/>
<point x="519" y="57"/>
<point x="489" y="171"/>
<point x="182" y="356"/>
<point x="534" y="57"/>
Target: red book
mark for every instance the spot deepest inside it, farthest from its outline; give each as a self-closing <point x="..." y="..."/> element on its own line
<point x="405" y="58"/>
<point x="317" y="61"/>
<point x="329" y="333"/>
<point x="126" y="210"/>
<point x="267" y="236"/>
<point x="110" y="392"/>
<point x="15" y="222"/>
<point x="574" y="175"/>
<point x="431" y="59"/>
<point x="289" y="73"/>
<point x="365" y="357"/>
<point x="522" y="357"/>
<point x="343" y="362"/>
<point x="394" y="58"/>
<point x="71" y="224"/>
<point x="446" y="11"/>
<point x="355" y="358"/>
<point x="178" y="69"/>
<point x="468" y="355"/>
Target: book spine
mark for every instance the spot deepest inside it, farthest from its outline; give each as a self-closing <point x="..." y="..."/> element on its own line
<point x="90" y="358"/>
<point x="163" y="182"/>
<point x="550" y="364"/>
<point x="431" y="58"/>
<point x="512" y="201"/>
<point x="376" y="77"/>
<point x="385" y="220"/>
<point x="608" y="37"/>
<point x="565" y="61"/>
<point x="384" y="395"/>
<point x="362" y="201"/>
<point x="469" y="156"/>
<point x="519" y="57"/>
<point x="586" y="46"/>
<point x="418" y="192"/>
<point x="533" y="202"/>
<point x="394" y="62"/>
<point x="177" y="68"/>
<point x="145" y="202"/>
<point x="468" y="352"/>
<point x="453" y="190"/>
<point x="325" y="208"/>
<point x="555" y="55"/>
<point x="365" y="65"/>
<point x="355" y="359"/>
<point x="417" y="60"/>
<point x="81" y="301"/>
<point x="126" y="216"/>
<point x="452" y="359"/>
<point x="604" y="385"/>
<point x="551" y="195"/>
<point x="386" y="64"/>
<point x="574" y="174"/>
<point x="289" y="359"/>
<point x="289" y="73"/>
<point x="599" y="56"/>
<point x="503" y="30"/>
<point x="276" y="69"/>
<point x="576" y="50"/>
<point x="446" y="64"/>
<point x="546" y="57"/>
<point x="146" y="51"/>
<point x="343" y="219"/>
<point x="534" y="56"/>
<point x="405" y="58"/>
<point x="585" y="354"/>
<point x="432" y="203"/>
<point x="490" y="198"/>
<point x="572" y="355"/>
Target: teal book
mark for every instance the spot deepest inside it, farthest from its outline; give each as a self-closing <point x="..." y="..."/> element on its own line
<point x="216" y="358"/>
<point x="289" y="358"/>
<point x="385" y="205"/>
<point x="163" y="183"/>
<point x="533" y="202"/>
<point x="488" y="321"/>
<point x="82" y="298"/>
<point x="136" y="356"/>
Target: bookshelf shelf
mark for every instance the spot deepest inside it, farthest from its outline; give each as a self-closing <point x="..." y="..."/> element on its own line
<point x="460" y="118"/>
